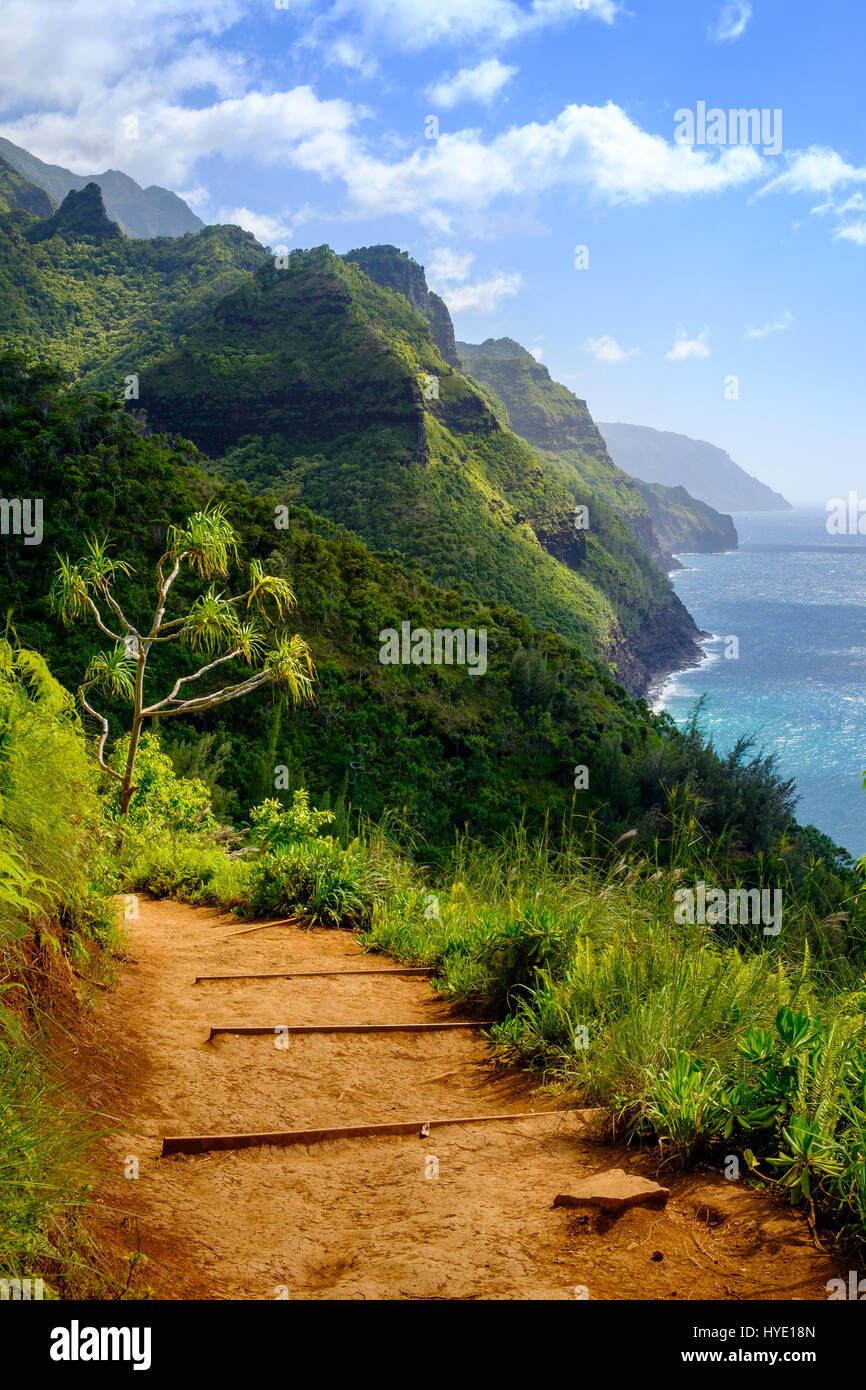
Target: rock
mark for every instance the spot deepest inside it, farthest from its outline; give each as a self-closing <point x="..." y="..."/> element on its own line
<point x="615" y="1190"/>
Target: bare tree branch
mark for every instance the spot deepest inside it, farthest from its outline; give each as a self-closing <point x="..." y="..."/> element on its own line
<point x="230" y="692"/>
<point x="101" y="719"/>
<point x="117" y="609"/>
<point x="98" y="616"/>
<point x="163" y="587"/>
<point x="182" y="680"/>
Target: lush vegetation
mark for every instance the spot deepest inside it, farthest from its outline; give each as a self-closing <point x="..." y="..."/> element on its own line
<point x="309" y="381"/>
<point x="249" y="628"/>
<point x="80" y="295"/>
<point x="57" y="925"/>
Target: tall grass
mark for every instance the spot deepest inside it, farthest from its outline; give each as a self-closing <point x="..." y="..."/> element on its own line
<point x="55" y="914"/>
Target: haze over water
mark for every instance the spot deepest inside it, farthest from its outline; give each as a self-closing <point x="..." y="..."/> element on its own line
<point x="796" y="599"/>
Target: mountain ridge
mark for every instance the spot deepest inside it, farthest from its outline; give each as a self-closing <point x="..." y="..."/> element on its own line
<point x="676" y="460"/>
<point x="139" y="212"/>
<point x="558" y="422"/>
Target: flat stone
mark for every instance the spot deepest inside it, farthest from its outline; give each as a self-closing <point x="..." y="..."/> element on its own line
<point x="615" y="1190"/>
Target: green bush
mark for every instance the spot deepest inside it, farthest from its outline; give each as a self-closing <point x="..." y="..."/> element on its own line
<point x="163" y="802"/>
<point x="330" y="886"/>
<point x="274" y="829"/>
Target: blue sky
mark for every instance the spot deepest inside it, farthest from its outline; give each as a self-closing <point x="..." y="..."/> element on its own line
<point x="556" y="121"/>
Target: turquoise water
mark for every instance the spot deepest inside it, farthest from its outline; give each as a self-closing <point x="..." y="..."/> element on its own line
<point x="795" y="598"/>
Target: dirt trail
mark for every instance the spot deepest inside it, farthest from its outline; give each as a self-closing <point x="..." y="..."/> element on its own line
<point x="354" y="1219"/>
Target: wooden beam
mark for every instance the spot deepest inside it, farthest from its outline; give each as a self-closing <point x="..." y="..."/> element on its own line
<point x="203" y="1143"/>
<point x="283" y="1028"/>
<point x="314" y="974"/>
<point x="280" y="922"/>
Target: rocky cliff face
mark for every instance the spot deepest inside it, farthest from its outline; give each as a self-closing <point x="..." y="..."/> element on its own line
<point x="395" y="270"/>
<point x="553" y="419"/>
<point x="685" y="525"/>
<point x="539" y="408"/>
<point x="80" y="217"/>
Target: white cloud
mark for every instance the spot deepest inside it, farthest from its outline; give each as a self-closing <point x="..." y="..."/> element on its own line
<point x="197" y="197"/>
<point x="822" y="170"/>
<point x="346" y="53"/>
<point x="66" y="55"/>
<point x="484" y="295"/>
<point x="816" y="170"/>
<point x="402" y="24"/>
<point x="584" y="148"/>
<point x="481" y="84"/>
<point x="778" y="325"/>
<point x="270" y="231"/>
<point x="852" y="231"/>
<point x="731" y="21"/>
<point x="537" y="353"/>
<point x="856" y="203"/>
<point x="291" y="128"/>
<point x="686" y="347"/>
<point x="607" y="349"/>
<point x="448" y="266"/>
<point x="598" y="150"/>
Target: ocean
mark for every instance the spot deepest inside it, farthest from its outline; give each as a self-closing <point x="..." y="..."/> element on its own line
<point x="794" y="597"/>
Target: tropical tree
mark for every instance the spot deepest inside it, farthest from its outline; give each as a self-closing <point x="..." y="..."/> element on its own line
<point x="249" y="627"/>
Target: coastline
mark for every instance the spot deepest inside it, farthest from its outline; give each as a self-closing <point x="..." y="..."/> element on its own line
<point x="654" y="693"/>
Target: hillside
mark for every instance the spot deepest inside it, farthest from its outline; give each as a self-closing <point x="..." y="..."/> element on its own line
<point x="76" y="291"/>
<point x="683" y="524"/>
<point x="553" y="419"/>
<point x="705" y="471"/>
<point x="316" y="383"/>
<point x="139" y="212"/>
<point x="396" y="270"/>
<point x="18" y="192"/>
<point x="313" y="380"/>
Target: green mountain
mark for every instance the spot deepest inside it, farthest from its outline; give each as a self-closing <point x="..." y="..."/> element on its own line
<point x="315" y="382"/>
<point x="76" y="291"/>
<point x="330" y="389"/>
<point x="396" y="270"/>
<point x="139" y="212"/>
<point x="683" y="524"/>
<point x="553" y="419"/>
<point x="18" y="192"/>
<point x="675" y="460"/>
